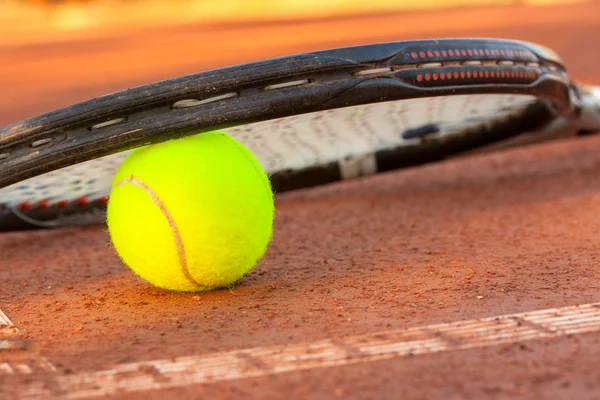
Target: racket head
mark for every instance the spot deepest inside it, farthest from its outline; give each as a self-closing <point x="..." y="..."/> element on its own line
<point x="311" y="119"/>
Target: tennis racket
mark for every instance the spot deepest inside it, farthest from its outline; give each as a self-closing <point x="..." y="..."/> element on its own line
<point x="311" y="119"/>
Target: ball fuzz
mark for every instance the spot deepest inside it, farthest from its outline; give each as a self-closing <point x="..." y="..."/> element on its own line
<point x="191" y="214"/>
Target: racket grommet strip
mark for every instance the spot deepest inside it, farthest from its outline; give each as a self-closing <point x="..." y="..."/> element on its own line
<point x="187" y="103"/>
<point x="41" y="142"/>
<point x="107" y="123"/>
<point x="284" y="85"/>
<point x="430" y="65"/>
<point x="374" y="71"/>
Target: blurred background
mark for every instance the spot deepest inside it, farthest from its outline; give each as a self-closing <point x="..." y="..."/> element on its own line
<point x="37" y="16"/>
<point x="57" y="52"/>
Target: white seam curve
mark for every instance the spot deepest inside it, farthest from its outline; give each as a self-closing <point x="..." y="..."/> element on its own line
<point x="177" y="235"/>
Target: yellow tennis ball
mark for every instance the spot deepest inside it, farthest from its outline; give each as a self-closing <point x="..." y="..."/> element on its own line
<point x="191" y="214"/>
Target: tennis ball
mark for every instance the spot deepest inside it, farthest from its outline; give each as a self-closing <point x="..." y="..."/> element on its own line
<point x="191" y="214"/>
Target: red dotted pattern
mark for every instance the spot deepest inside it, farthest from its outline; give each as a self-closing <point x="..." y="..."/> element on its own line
<point x="483" y="52"/>
<point x="45" y="203"/>
<point x="82" y="201"/>
<point x="477" y="74"/>
<point x="25" y="205"/>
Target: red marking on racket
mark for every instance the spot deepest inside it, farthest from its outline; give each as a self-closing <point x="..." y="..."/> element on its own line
<point x="82" y="201"/>
<point x="25" y="205"/>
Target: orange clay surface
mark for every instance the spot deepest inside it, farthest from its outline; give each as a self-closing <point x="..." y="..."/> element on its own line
<point x="484" y="236"/>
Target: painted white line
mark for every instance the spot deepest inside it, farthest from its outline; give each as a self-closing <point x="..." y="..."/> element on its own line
<point x="271" y="360"/>
<point x="46" y="365"/>
<point x="6" y="325"/>
<point x="27" y="367"/>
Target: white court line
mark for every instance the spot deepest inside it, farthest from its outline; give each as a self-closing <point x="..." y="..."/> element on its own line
<point x="26" y="366"/>
<point x="271" y="360"/>
<point x="6" y="325"/>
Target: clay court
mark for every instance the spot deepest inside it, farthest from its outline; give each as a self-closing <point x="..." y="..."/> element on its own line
<point x="476" y="277"/>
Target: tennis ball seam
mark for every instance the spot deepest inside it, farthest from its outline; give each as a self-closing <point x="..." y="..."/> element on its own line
<point x="132" y="180"/>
